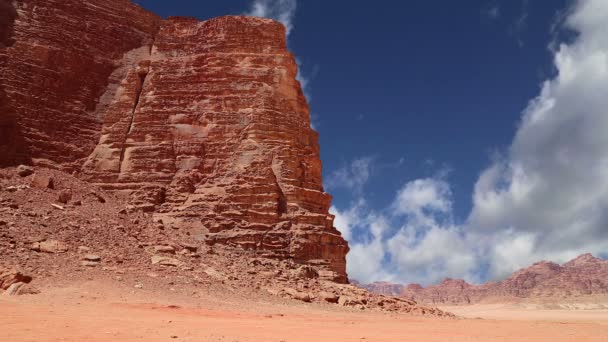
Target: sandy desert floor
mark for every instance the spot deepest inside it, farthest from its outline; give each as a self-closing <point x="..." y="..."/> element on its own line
<point x="532" y="312"/>
<point x="92" y="312"/>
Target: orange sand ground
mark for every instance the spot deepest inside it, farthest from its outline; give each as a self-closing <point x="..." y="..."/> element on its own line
<point x="75" y="314"/>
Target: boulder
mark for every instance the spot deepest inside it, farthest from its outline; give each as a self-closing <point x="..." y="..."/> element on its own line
<point x="164" y="249"/>
<point x="64" y="196"/>
<point x="50" y="246"/>
<point x="306" y="272"/>
<point x="98" y="197"/>
<point x="92" y="257"/>
<point x="213" y="273"/>
<point x="349" y="301"/>
<point x="297" y="295"/>
<point x="89" y="263"/>
<point x="190" y="247"/>
<point x="13" y="289"/>
<point x="328" y="297"/>
<point x="43" y="182"/>
<point x="24" y="170"/>
<point x="165" y="261"/>
<point x="12" y="276"/>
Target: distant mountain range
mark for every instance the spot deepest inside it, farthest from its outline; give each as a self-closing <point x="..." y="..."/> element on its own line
<point x="583" y="278"/>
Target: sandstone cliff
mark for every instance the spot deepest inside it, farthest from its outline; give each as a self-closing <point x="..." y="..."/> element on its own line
<point x="202" y="123"/>
<point x="583" y="278"/>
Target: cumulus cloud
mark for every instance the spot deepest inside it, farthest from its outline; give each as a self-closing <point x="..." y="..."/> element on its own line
<point x="283" y="11"/>
<point x="547" y="198"/>
<point x="428" y="246"/>
<point x="365" y="232"/>
<point x="552" y="189"/>
<point x="414" y="239"/>
<point x="423" y="194"/>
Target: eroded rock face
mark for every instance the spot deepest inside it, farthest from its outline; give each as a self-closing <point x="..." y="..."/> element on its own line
<point x="56" y="57"/>
<point x="203" y="123"/>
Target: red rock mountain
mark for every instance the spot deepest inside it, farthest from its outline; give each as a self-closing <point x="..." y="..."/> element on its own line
<point x="585" y="277"/>
<point x="201" y="122"/>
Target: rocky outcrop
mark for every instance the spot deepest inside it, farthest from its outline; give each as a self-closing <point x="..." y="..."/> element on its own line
<point x="92" y="240"/>
<point x="12" y="276"/>
<point x="202" y="123"/>
<point x="585" y="277"/>
<point x="57" y="58"/>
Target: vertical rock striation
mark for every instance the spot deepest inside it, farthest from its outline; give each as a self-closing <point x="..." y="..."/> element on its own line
<point x="57" y="56"/>
<point x="203" y="123"/>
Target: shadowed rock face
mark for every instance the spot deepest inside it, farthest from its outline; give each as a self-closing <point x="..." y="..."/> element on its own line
<point x="8" y="131"/>
<point x="8" y="13"/>
<point x="203" y="123"/>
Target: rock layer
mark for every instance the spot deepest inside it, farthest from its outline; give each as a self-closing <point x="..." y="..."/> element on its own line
<point x="57" y="56"/>
<point x="203" y="123"/>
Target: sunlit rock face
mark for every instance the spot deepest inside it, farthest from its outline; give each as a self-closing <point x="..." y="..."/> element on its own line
<point x="203" y="123"/>
<point x="56" y="57"/>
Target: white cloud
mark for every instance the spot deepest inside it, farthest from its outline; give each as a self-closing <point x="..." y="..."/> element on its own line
<point x="283" y="11"/>
<point x="414" y="240"/>
<point x="365" y="259"/>
<point x="428" y="246"/>
<point x="552" y="188"/>
<point x="421" y="194"/>
<point x="352" y="176"/>
<point x="547" y="198"/>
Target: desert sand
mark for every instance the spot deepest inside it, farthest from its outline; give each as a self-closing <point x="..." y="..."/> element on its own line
<point x="93" y="311"/>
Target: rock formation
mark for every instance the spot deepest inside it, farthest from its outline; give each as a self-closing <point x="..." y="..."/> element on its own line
<point x="46" y="242"/>
<point x="585" y="277"/>
<point x="202" y="123"/>
<point x="57" y="57"/>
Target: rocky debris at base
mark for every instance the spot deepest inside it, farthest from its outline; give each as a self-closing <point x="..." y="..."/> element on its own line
<point x="64" y="196"/>
<point x="50" y="246"/>
<point x="43" y="182"/>
<point x="328" y="297"/>
<point x="12" y="276"/>
<point x="14" y="282"/>
<point x="93" y="240"/>
<point x="92" y="258"/>
<point x="165" y="261"/>
<point x="98" y="197"/>
<point x="164" y="249"/>
<point x="24" y="170"/>
<point x="297" y="295"/>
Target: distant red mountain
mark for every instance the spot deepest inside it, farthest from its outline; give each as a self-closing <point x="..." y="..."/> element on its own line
<point x="585" y="278"/>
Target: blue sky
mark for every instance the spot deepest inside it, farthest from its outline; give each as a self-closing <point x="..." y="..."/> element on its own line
<point x="428" y="132"/>
<point x="435" y="84"/>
